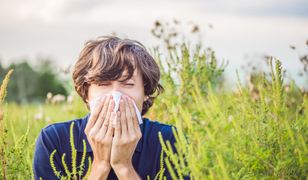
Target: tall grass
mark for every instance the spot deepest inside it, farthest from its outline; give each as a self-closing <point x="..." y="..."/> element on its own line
<point x="223" y="135"/>
<point x="256" y="132"/>
<point x="3" y="142"/>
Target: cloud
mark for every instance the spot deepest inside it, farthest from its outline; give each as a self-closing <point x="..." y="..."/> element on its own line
<point x="59" y="27"/>
<point x="256" y="8"/>
<point x="82" y="6"/>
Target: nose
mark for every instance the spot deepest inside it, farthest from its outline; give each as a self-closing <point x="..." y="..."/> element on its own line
<point x="116" y="87"/>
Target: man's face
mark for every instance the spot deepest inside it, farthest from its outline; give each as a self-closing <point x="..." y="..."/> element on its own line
<point x="132" y="87"/>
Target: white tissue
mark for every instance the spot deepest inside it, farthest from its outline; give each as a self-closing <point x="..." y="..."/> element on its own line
<point x="116" y="97"/>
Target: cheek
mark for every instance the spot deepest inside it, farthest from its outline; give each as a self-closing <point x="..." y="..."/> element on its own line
<point x="95" y="91"/>
<point x="139" y="103"/>
<point x="137" y="94"/>
<point x="138" y="98"/>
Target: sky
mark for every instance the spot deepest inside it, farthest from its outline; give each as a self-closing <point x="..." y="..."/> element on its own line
<point x="243" y="30"/>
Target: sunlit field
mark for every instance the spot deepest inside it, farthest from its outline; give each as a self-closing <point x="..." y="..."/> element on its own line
<point x="258" y="131"/>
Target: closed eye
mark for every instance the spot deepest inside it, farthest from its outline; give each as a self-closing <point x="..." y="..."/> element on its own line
<point x="103" y="84"/>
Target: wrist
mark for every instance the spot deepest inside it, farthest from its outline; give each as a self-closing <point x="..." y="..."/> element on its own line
<point x="123" y="168"/>
<point x="102" y="166"/>
<point x="99" y="170"/>
<point x="125" y="171"/>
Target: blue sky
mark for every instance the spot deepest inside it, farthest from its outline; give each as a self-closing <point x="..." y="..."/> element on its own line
<point x="242" y="29"/>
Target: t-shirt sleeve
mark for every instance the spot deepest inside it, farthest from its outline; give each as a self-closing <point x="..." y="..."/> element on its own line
<point x="45" y="145"/>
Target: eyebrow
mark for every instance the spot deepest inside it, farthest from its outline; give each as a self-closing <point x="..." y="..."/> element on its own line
<point x="124" y="76"/>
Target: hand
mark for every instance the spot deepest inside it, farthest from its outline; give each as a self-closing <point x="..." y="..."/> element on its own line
<point x="127" y="133"/>
<point x="99" y="132"/>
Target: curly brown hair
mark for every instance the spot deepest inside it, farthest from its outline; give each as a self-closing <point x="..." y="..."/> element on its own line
<point x="107" y="57"/>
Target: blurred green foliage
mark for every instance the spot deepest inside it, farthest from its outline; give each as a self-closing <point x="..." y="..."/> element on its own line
<point x="32" y="83"/>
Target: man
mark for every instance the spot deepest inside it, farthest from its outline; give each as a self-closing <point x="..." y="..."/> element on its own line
<point x="119" y="147"/>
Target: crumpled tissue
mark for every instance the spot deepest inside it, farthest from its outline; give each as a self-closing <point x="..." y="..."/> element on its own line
<point x="116" y="97"/>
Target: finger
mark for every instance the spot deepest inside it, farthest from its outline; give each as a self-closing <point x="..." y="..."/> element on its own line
<point x="116" y="124"/>
<point x="130" y="126"/>
<point x="103" y="113"/>
<point x="110" y="129"/>
<point x="134" y="114"/>
<point x="104" y="127"/>
<point x="94" y="115"/>
<point x="123" y="118"/>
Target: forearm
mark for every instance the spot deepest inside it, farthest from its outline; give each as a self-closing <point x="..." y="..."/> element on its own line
<point x="99" y="171"/>
<point x="126" y="172"/>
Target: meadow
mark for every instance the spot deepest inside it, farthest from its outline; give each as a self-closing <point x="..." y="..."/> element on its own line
<point x="258" y="131"/>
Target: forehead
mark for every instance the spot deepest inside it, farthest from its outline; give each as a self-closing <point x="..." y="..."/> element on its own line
<point x="135" y="74"/>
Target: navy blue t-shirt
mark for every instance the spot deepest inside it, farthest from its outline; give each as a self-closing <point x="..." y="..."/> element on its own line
<point x="146" y="158"/>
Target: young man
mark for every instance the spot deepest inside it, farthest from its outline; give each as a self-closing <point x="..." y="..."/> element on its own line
<point x="120" y="146"/>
